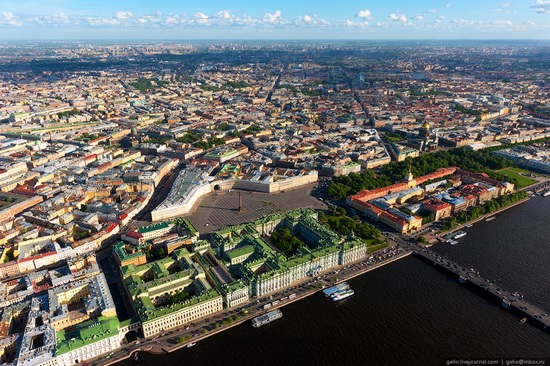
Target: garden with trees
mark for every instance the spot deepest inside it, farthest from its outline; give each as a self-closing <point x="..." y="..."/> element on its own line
<point x="342" y="224"/>
<point x="286" y="242"/>
<point x="476" y="161"/>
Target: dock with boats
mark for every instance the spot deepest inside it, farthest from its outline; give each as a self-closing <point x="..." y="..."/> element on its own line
<point x="338" y="292"/>
<point x="266" y="318"/>
<point x="451" y="238"/>
<point x="339" y="287"/>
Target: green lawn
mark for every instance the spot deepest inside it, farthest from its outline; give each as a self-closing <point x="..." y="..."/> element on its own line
<point x="515" y="173"/>
<point x="375" y="248"/>
<point x="519" y="170"/>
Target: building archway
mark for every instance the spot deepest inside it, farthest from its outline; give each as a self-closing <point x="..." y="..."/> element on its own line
<point x="129" y="337"/>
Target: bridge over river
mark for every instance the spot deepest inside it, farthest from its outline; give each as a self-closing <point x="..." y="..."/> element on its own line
<point x="511" y="300"/>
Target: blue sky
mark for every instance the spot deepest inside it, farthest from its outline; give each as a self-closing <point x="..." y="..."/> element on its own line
<point x="282" y="19"/>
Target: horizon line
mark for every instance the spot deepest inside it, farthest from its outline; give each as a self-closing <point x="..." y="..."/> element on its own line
<point x="271" y="39"/>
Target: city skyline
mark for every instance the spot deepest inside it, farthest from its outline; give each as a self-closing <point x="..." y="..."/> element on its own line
<point x="64" y="20"/>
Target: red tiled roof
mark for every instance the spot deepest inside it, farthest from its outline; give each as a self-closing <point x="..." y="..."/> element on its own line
<point x="111" y="227"/>
<point x="134" y="235"/>
<point x="437" y="205"/>
<point x="38" y="256"/>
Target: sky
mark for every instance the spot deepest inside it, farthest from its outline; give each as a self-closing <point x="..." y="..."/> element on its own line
<point x="279" y="19"/>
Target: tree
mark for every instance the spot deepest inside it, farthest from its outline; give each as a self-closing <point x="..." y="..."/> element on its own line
<point x="286" y="242"/>
<point x="338" y="191"/>
<point x="189" y="138"/>
<point x="234" y="133"/>
<point x="161" y="252"/>
<point x="477" y="161"/>
<point x="344" y="225"/>
<point x="177" y="297"/>
<point x="9" y="255"/>
<point x="428" y="218"/>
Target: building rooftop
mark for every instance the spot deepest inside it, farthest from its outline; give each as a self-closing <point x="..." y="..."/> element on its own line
<point x="86" y="333"/>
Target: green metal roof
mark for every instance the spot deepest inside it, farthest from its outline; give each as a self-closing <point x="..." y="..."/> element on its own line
<point x="86" y="333"/>
<point x="154" y="227"/>
<point x="244" y="250"/>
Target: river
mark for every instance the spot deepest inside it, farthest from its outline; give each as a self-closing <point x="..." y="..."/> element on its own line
<point x="406" y="313"/>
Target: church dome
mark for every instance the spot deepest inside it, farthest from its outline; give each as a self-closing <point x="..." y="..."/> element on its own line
<point x="425" y="129"/>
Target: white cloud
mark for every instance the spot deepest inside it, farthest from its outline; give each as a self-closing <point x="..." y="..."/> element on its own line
<point x="397" y="17"/>
<point x="502" y="22"/>
<point x="61" y="18"/>
<point x="246" y="21"/>
<point x="273" y="18"/>
<point x="461" y="21"/>
<point x="123" y="14"/>
<point x="7" y="18"/>
<point x="201" y="18"/>
<point x="171" y="19"/>
<point x="223" y="14"/>
<point x="432" y="11"/>
<point x="200" y="15"/>
<point x="353" y="24"/>
<point x="503" y="7"/>
<point x="365" y="14"/>
<point x="226" y="21"/>
<point x="542" y="6"/>
<point x="309" y="20"/>
<point x="447" y="6"/>
<point x="50" y="20"/>
<point x="101" y="21"/>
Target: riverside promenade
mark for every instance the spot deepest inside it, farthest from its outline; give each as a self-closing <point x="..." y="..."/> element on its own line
<point x="435" y="237"/>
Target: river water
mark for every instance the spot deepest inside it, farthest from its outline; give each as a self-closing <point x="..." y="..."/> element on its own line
<point x="406" y="313"/>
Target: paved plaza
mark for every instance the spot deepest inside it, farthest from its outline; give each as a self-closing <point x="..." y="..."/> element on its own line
<point x="221" y="208"/>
